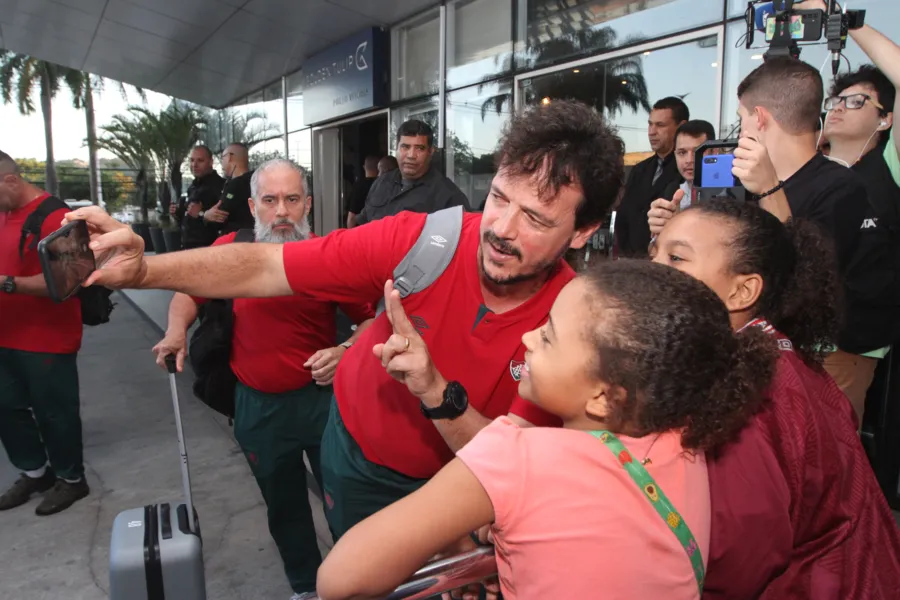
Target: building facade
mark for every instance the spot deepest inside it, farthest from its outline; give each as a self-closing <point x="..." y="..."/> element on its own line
<point x="465" y="65"/>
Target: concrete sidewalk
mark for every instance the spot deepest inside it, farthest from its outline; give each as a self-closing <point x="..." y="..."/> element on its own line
<point x="131" y="457"/>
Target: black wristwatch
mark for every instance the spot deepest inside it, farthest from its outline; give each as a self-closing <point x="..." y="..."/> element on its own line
<point x="455" y="403"/>
<point x="9" y="285"/>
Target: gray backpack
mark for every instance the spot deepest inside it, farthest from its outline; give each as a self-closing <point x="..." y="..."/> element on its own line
<point x="430" y="255"/>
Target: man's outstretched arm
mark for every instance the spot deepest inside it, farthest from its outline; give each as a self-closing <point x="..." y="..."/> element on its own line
<point x="226" y="271"/>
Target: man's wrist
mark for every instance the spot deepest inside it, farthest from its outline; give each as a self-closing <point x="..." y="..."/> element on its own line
<point x="434" y="397"/>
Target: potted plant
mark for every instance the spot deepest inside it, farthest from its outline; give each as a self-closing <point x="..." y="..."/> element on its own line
<point x="141" y="225"/>
<point x="172" y="235"/>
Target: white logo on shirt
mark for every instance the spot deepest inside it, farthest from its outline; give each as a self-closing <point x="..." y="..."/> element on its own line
<point x="515" y="369"/>
<point x="869" y="223"/>
<point x="437" y="240"/>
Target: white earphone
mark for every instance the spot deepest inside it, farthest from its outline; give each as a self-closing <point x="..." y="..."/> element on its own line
<point x="884" y="124"/>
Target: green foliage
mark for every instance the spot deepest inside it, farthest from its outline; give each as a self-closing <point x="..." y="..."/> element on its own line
<point x="231" y="125"/>
<point x="75" y="184"/>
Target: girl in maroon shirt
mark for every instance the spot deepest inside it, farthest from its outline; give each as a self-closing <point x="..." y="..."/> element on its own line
<point x="796" y="510"/>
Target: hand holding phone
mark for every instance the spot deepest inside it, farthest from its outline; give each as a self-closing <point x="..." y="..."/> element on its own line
<point x="753" y="166"/>
<point x="66" y="260"/>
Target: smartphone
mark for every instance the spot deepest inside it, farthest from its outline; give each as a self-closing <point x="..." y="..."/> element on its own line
<point x="66" y="260"/>
<point x="805" y="26"/>
<point x="716" y="171"/>
<point x="713" y="163"/>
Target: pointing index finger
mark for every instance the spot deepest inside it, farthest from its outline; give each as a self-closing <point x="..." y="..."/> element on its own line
<point x="396" y="315"/>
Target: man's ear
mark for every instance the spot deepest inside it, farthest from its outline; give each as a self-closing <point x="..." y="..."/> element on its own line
<point x="763" y="118"/>
<point x="582" y="236"/>
<point x="745" y="292"/>
<point x="309" y="201"/>
<point x="252" y="204"/>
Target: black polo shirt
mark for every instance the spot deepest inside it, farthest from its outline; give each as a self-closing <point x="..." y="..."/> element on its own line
<point x="235" y="196"/>
<point x="873" y="286"/>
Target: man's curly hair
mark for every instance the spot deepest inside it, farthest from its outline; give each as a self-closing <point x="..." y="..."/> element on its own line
<point x="566" y="143"/>
<point x="801" y="295"/>
<point x="665" y="340"/>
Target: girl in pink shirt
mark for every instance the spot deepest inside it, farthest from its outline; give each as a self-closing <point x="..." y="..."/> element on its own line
<point x="640" y="363"/>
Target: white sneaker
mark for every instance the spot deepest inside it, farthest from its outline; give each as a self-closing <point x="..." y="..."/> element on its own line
<point x="304" y="596"/>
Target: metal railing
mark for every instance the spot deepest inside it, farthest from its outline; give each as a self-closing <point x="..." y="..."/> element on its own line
<point x="447" y="574"/>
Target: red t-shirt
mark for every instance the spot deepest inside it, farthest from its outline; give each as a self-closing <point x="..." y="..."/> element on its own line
<point x="34" y="323"/>
<point x="795" y="502"/>
<point x="274" y="337"/>
<point x="480" y="349"/>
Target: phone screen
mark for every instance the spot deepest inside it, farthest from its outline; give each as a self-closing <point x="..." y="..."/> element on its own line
<point x="716" y="171"/>
<point x="67" y="260"/>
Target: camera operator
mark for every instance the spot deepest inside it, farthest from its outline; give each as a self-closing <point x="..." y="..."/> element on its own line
<point x="859" y="127"/>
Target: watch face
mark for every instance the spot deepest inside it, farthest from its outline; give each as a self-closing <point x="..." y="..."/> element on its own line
<point x="456" y="395"/>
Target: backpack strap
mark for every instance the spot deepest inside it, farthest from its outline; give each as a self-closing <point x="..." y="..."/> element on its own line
<point x="246" y="236"/>
<point x="35" y="222"/>
<point x="430" y="255"/>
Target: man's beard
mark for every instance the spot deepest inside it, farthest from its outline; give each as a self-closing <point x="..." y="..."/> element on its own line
<point x="268" y="233"/>
<point x="539" y="270"/>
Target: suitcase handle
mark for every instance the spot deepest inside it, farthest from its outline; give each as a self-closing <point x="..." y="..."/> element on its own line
<point x="185" y="470"/>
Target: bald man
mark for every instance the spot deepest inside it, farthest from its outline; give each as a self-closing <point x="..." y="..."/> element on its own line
<point x="233" y="209"/>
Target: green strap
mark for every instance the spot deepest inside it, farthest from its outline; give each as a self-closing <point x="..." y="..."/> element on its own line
<point x="658" y="499"/>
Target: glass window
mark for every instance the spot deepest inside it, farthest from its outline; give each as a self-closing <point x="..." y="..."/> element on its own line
<point x="554" y="31"/>
<point x="295" y="102"/>
<point x="300" y="148"/>
<point x="425" y="110"/>
<point x="266" y="150"/>
<point x="475" y="120"/>
<point x="627" y="87"/>
<point x="273" y="106"/>
<point x="737" y="8"/>
<point x="415" y="48"/>
<point x="740" y="61"/>
<point x="479" y="40"/>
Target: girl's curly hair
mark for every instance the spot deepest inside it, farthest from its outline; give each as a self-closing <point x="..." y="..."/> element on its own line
<point x="801" y="295"/>
<point x="666" y="340"/>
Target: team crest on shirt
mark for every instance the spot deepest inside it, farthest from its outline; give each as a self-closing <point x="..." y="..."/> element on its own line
<point x="785" y="345"/>
<point x="515" y="369"/>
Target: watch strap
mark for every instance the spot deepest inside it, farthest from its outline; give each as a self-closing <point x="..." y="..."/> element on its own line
<point x="448" y="409"/>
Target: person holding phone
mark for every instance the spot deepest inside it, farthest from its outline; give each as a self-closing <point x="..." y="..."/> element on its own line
<point x="677" y="195"/>
<point x="40" y="424"/>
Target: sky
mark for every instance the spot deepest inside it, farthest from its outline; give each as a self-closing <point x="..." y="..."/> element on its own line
<point x="23" y="136"/>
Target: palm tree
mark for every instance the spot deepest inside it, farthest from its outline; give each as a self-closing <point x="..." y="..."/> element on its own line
<point x="177" y="129"/>
<point x="228" y="126"/>
<point x="83" y="89"/>
<point x="131" y="139"/>
<point x="610" y="86"/>
<point x="19" y="76"/>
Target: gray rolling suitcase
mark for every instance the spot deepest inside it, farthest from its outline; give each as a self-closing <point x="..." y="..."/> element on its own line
<point x="156" y="552"/>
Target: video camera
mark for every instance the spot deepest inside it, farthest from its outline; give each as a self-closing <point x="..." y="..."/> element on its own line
<point x="784" y="26"/>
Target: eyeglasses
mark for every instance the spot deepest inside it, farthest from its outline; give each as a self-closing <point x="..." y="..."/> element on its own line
<point x="852" y="102"/>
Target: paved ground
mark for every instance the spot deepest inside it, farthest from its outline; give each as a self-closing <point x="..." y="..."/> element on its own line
<point x="131" y="460"/>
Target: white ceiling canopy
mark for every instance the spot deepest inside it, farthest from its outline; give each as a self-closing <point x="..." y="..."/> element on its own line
<point x="210" y="52"/>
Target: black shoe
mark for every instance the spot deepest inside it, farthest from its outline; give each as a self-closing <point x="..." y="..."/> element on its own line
<point x="22" y="490"/>
<point x="62" y="496"/>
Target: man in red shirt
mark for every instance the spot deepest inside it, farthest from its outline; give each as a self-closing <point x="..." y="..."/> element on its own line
<point x="560" y="169"/>
<point x="284" y="356"/>
<point x="39" y="342"/>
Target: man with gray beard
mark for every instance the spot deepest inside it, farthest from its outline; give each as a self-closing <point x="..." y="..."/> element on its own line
<point x="284" y="356"/>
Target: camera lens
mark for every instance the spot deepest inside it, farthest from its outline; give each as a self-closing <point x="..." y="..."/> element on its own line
<point x="710" y="160"/>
